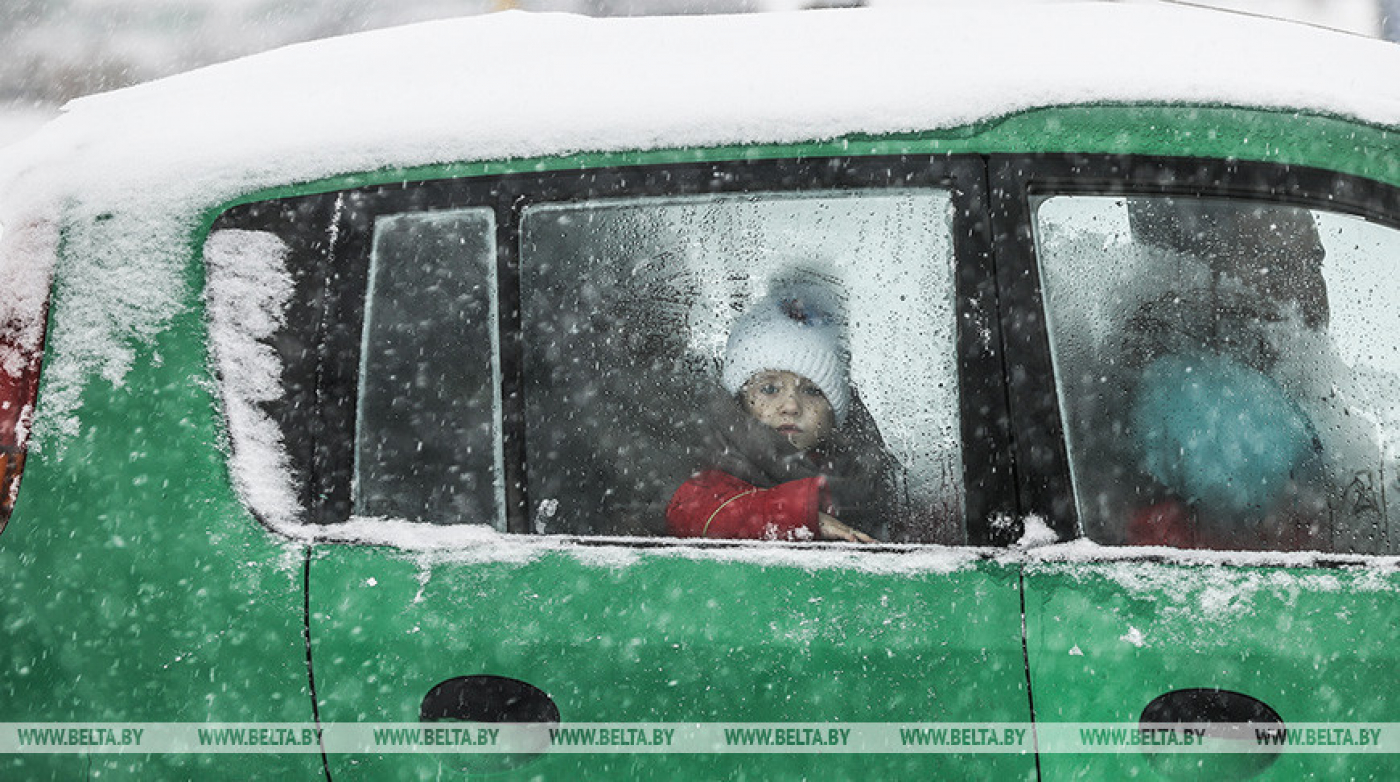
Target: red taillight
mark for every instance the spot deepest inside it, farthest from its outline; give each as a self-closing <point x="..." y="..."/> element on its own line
<point x="18" y="390"/>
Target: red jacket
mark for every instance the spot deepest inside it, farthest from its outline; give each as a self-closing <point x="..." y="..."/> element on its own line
<point x="1170" y="523"/>
<point x="715" y="504"/>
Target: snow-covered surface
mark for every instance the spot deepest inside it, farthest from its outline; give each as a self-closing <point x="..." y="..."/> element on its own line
<point x="1036" y="533"/>
<point x="149" y="161"/>
<point x="16" y="122"/>
<point x="432" y="544"/>
<point x="1155" y="572"/>
<point x="1193" y="594"/>
<point x="1084" y="551"/>
<point x="514" y="85"/>
<point x="249" y="289"/>
<point x="1358" y="16"/>
<point x="26" y="286"/>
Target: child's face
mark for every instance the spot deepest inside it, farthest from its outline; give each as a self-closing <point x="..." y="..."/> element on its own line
<point x="790" y="403"/>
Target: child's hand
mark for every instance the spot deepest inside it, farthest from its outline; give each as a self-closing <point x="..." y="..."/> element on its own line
<point x="831" y="529"/>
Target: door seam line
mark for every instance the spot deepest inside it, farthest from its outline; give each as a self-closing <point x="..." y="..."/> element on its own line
<point x="310" y="670"/>
<point x="1026" y="661"/>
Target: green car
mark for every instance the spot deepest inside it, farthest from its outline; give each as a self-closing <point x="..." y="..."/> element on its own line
<point x="1007" y="394"/>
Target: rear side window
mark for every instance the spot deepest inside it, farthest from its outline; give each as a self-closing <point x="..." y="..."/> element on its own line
<point x="628" y="308"/>
<point x="1228" y="370"/>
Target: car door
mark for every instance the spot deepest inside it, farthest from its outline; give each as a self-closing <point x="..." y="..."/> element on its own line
<point x="509" y="382"/>
<point x="1216" y="414"/>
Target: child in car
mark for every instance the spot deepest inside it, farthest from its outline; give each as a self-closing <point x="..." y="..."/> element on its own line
<point x="782" y="463"/>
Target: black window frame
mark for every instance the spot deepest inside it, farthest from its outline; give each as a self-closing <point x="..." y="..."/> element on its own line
<point x="1043" y="483"/>
<point x="331" y="233"/>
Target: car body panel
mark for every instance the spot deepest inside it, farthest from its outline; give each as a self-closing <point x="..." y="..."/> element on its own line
<point x="675" y="635"/>
<point x="127" y="559"/>
<point x="1106" y="639"/>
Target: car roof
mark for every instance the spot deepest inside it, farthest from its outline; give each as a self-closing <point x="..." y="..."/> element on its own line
<point x="516" y="85"/>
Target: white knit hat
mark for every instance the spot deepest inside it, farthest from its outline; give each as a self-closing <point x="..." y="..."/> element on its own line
<point x="796" y="328"/>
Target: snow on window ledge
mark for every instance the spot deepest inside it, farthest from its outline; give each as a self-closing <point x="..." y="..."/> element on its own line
<point x="478" y="544"/>
<point x="1087" y="552"/>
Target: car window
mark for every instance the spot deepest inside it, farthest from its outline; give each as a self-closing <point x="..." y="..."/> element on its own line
<point x="581" y="353"/>
<point x="1228" y="370"/>
<point x="427" y="422"/>
<point x="628" y="306"/>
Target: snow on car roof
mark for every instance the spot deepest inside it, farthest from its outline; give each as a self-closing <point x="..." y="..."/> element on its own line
<point x="523" y="85"/>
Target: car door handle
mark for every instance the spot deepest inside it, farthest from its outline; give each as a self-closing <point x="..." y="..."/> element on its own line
<point x="1238" y="716"/>
<point x="485" y="698"/>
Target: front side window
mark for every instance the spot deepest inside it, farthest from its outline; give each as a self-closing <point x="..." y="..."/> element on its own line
<point x="1228" y="370"/>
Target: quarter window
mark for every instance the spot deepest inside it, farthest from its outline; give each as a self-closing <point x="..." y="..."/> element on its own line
<point x="428" y="420"/>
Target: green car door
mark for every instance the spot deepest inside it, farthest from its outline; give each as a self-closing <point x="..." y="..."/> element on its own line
<point x="1227" y="400"/>
<point x="718" y="636"/>
<point x="1136" y="643"/>
<point x="494" y="387"/>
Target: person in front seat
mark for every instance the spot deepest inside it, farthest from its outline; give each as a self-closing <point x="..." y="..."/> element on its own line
<point x="1236" y="458"/>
